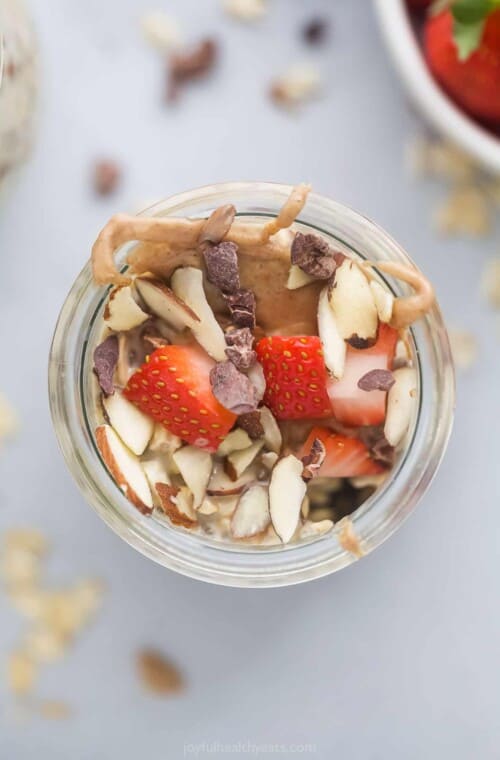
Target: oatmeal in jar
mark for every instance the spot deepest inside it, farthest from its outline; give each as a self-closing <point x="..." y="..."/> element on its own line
<point x="256" y="383"/>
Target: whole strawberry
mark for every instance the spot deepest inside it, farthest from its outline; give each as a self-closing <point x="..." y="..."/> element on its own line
<point x="462" y="48"/>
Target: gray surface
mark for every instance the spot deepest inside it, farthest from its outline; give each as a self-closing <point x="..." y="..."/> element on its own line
<point x="396" y="657"/>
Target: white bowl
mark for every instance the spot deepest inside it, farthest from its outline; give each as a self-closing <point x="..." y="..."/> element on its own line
<point x="429" y="98"/>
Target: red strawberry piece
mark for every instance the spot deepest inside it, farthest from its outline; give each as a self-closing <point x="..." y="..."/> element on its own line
<point x="345" y="457"/>
<point x="473" y="83"/>
<point x="296" y="377"/>
<point x="350" y="404"/>
<point x="173" y="387"/>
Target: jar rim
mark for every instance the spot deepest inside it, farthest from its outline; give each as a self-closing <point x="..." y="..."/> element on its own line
<point x="224" y="563"/>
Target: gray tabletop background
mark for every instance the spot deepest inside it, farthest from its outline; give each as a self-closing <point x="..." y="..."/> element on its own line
<point x="395" y="657"/>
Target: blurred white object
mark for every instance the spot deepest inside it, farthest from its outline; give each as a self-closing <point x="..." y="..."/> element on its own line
<point x="426" y="93"/>
<point x="161" y="31"/>
<point x="18" y="85"/>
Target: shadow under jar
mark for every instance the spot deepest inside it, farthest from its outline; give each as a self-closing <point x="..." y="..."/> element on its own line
<point x="75" y="409"/>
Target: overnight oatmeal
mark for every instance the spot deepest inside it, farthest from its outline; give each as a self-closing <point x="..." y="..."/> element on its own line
<point x="256" y="383"/>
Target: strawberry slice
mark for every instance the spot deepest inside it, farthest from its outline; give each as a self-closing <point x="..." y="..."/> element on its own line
<point x="345" y="457"/>
<point x="296" y="377"/>
<point x="351" y="405"/>
<point x="173" y="387"/>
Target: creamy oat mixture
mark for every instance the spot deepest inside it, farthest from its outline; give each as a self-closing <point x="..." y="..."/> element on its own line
<point x="256" y="383"/>
<point x="18" y="85"/>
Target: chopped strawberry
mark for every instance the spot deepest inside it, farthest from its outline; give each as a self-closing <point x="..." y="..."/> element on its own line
<point x="469" y="73"/>
<point x="296" y="377"/>
<point x="345" y="457"/>
<point x="173" y="387"/>
<point x="351" y="405"/>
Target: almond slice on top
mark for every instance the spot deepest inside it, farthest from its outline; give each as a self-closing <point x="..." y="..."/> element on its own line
<point x="175" y="508"/>
<point x="134" y="428"/>
<point x="286" y="493"/>
<point x="384" y="301"/>
<point x="187" y="284"/>
<point x="298" y="279"/>
<point x="334" y="346"/>
<point x="236" y="440"/>
<point x="125" y="468"/>
<point x="122" y="312"/>
<point x="272" y="433"/>
<point x="401" y="401"/>
<point x="252" y="513"/>
<point x="195" y="466"/>
<point x="238" y="461"/>
<point x="155" y="472"/>
<point x="353" y="304"/>
<point x="163" y="302"/>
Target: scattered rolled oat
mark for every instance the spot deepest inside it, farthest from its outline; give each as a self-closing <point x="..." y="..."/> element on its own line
<point x="463" y="348"/>
<point x="9" y="422"/>
<point x="158" y="675"/>
<point x="434" y="157"/>
<point x="54" y="710"/>
<point x="490" y="282"/>
<point x="245" y="10"/>
<point x="106" y="177"/>
<point x="232" y="388"/>
<point x="188" y="66"/>
<point x="55" y="617"/>
<point x="240" y="348"/>
<point x="466" y="211"/>
<point x="313" y="255"/>
<point x="299" y="84"/>
<point x="161" y="31"/>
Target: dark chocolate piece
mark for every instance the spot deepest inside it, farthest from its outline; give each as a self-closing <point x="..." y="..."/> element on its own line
<point x="240" y="348"/>
<point x="313" y="255"/>
<point x="377" y="380"/>
<point x="242" y="308"/>
<point x="221" y="261"/>
<point x="105" y="361"/>
<point x="251" y="424"/>
<point x="232" y="388"/>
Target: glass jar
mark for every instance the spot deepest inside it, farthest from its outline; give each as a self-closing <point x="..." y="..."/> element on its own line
<point x="73" y="406"/>
<point x="18" y="85"/>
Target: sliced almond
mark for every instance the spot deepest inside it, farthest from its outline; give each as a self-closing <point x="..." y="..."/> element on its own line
<point x="187" y="284"/>
<point x="401" y="401"/>
<point x="269" y="459"/>
<point x="315" y="529"/>
<point x="384" y="301"/>
<point x="252" y="513"/>
<point x="163" y="302"/>
<point x="173" y="507"/>
<point x="226" y="504"/>
<point x="334" y="346"/>
<point x="272" y="433"/>
<point x="195" y="467"/>
<point x="221" y="484"/>
<point x="122" y="313"/>
<point x="156" y="472"/>
<point x="163" y="441"/>
<point x="305" y="507"/>
<point x="134" y="428"/>
<point x="208" y="507"/>
<point x="353" y="304"/>
<point x="236" y="440"/>
<point x="125" y="468"/>
<point x="238" y="461"/>
<point x="286" y="493"/>
<point x="298" y="279"/>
